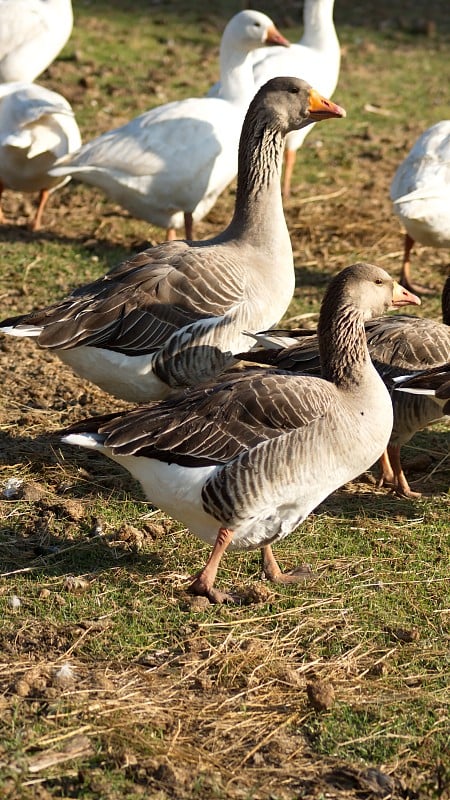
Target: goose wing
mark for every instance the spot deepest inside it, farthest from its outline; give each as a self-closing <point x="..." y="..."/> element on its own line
<point x="136" y="307"/>
<point x="216" y="424"/>
<point x="408" y="342"/>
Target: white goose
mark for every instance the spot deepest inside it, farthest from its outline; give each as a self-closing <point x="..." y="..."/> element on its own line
<point x="32" y="33"/>
<point x="315" y="58"/>
<point x="173" y="315"/>
<point x="243" y="462"/>
<point x="169" y="165"/>
<point x="37" y="126"/>
<point x="420" y="191"/>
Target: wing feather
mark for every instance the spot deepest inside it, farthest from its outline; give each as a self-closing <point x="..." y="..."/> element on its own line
<point x="214" y="425"/>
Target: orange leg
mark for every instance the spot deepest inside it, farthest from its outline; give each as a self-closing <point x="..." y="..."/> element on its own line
<point x="289" y="161"/>
<point x="387" y="477"/>
<point x="402" y="486"/>
<point x="405" y="277"/>
<point x="171" y="233"/>
<point x="204" y="582"/>
<point x="273" y="572"/>
<point x="43" y="197"/>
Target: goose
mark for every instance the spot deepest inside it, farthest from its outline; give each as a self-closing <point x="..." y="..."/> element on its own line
<point x="32" y="33"/>
<point x="420" y="193"/>
<point x="397" y="344"/>
<point x="174" y="314"/>
<point x="36" y="127"/>
<point x="243" y="461"/>
<point x="169" y="165"/>
<point x="315" y="58"/>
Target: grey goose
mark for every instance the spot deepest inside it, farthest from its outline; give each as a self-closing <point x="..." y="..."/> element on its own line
<point x="173" y="315"/>
<point x="243" y="461"/>
<point x="398" y="344"/>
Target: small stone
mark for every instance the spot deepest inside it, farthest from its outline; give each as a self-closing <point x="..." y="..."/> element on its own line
<point x="14" y="602"/>
<point x="76" y="584"/>
<point x="44" y="594"/>
<point x="64" y="677"/>
<point x="12" y="489"/>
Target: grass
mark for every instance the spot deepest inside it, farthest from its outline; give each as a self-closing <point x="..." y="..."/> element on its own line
<point x="169" y="699"/>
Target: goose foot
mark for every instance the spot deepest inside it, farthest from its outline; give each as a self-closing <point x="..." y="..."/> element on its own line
<point x="407" y="492"/>
<point x="273" y="573"/>
<point x="392" y="475"/>
<point x="203" y="584"/>
<point x="215" y="596"/>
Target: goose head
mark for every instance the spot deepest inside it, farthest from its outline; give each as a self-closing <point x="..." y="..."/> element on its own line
<point x="369" y="289"/>
<point x="249" y="29"/>
<point x="304" y="105"/>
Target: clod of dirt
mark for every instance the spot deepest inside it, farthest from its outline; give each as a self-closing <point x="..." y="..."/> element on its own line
<point x="22" y="688"/>
<point x="155" y="530"/>
<point x="404" y="634"/>
<point x="198" y="603"/>
<point x="256" y="593"/>
<point x="76" y="584"/>
<point x="289" y="676"/>
<point x="129" y="537"/>
<point x="321" y="695"/>
<point x="378" y="669"/>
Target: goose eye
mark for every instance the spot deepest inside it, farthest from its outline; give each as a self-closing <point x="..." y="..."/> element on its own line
<point x="294" y="90"/>
<point x="378" y="282"/>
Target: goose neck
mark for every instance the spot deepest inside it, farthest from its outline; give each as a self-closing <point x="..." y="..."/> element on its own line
<point x="258" y="205"/>
<point x="318" y="22"/>
<point x="342" y="342"/>
<point x="236" y="74"/>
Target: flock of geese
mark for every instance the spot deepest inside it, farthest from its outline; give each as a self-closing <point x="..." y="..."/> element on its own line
<point x="239" y="444"/>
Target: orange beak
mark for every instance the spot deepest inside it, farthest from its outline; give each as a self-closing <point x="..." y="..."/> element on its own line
<point x="321" y="108"/>
<point x="401" y="297"/>
<point x="274" y="37"/>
